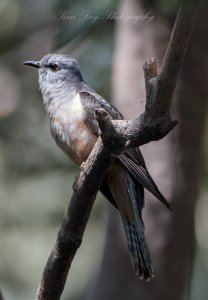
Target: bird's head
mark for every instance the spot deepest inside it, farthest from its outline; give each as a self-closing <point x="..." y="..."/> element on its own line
<point x="56" y="70"/>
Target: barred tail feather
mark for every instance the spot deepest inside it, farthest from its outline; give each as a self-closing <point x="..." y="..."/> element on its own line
<point x="128" y="196"/>
<point x="137" y="243"/>
<point x="139" y="251"/>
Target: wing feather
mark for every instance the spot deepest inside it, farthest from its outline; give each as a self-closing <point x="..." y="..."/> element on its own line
<point x="141" y="174"/>
<point x="132" y="159"/>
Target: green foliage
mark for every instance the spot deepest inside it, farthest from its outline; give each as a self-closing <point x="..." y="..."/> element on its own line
<point x="170" y="6"/>
<point x="78" y="18"/>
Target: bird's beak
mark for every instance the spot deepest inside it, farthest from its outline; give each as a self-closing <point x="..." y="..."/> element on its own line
<point x="35" y="64"/>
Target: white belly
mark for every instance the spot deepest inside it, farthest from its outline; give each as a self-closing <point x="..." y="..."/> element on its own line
<point x="70" y="131"/>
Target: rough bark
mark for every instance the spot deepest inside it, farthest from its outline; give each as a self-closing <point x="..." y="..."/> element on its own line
<point x="174" y="163"/>
<point x="116" y="136"/>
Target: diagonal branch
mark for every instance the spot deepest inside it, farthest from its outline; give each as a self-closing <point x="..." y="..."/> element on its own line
<point x="116" y="136"/>
<point x="77" y="214"/>
<point x="175" y="54"/>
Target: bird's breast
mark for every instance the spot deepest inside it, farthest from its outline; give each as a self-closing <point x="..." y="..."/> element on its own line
<point x="70" y="132"/>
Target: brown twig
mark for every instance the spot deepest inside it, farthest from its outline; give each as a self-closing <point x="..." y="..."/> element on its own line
<point x="175" y="54"/>
<point x="116" y="136"/>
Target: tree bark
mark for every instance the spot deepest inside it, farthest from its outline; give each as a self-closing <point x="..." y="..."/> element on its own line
<point x="174" y="163"/>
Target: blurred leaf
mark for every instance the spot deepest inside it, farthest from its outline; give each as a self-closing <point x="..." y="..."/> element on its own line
<point x="9" y="16"/>
<point x="77" y="19"/>
<point x="171" y="6"/>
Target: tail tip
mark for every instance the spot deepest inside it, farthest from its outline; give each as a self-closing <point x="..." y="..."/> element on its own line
<point x="170" y="208"/>
<point x="145" y="276"/>
<point x="150" y="277"/>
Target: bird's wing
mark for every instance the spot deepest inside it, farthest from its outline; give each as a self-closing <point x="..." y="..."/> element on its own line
<point x="141" y="175"/>
<point x="92" y="101"/>
<point x="132" y="159"/>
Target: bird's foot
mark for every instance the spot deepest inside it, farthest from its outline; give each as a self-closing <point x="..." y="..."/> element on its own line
<point x="82" y="165"/>
<point x="74" y="186"/>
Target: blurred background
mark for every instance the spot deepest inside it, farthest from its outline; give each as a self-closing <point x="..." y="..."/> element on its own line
<point x="111" y="39"/>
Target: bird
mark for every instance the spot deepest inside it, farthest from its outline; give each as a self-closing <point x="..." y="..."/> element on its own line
<point x="70" y="104"/>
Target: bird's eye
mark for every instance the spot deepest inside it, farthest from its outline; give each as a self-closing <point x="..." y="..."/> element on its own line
<point x="53" y="67"/>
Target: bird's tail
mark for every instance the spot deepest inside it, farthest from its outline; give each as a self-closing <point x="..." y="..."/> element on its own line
<point x="139" y="251"/>
<point x="128" y="196"/>
<point x="137" y="243"/>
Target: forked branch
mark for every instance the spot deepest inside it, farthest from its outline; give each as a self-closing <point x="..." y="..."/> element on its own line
<point x="116" y="136"/>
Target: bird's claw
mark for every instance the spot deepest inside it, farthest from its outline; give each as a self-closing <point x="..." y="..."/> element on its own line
<point x="82" y="165"/>
<point x="74" y="186"/>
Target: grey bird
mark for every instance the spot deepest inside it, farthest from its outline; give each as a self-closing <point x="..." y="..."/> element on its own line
<point x="70" y="104"/>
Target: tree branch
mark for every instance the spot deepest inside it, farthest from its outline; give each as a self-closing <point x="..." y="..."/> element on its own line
<point x="175" y="54"/>
<point x="116" y="136"/>
<point x="76" y="216"/>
